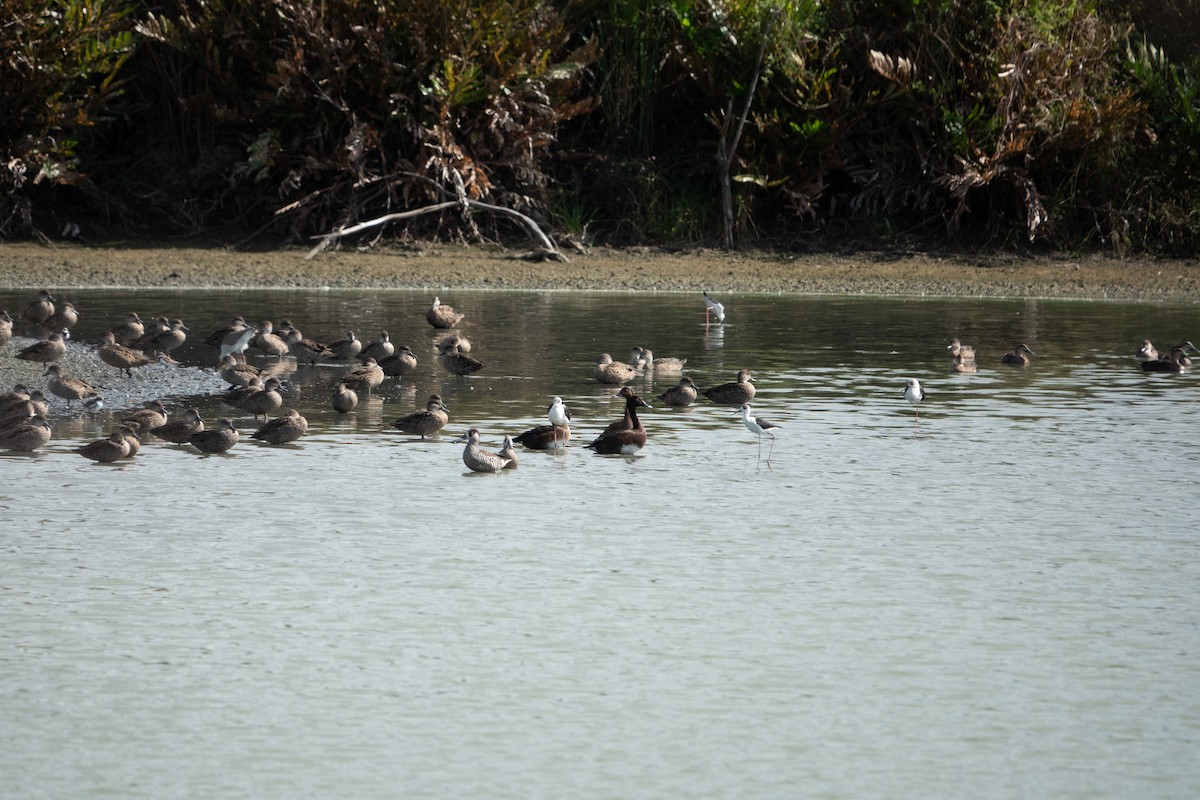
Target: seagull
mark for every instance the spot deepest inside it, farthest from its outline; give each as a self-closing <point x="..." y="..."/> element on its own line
<point x="759" y="426"/>
<point x="717" y="309"/>
<point x="914" y="394"/>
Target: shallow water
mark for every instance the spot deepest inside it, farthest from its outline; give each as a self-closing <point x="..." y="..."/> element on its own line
<point x="999" y="600"/>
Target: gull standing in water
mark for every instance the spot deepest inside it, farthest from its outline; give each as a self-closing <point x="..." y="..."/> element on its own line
<point x="759" y="426"/>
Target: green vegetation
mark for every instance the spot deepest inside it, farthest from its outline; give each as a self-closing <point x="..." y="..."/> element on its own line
<point x="1012" y="123"/>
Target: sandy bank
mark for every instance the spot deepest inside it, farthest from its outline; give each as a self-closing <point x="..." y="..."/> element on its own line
<point x="75" y="266"/>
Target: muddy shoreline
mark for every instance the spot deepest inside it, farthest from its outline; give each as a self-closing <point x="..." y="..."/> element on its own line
<point x="34" y="266"/>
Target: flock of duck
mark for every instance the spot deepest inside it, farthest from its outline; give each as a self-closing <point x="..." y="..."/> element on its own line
<point x="259" y="391"/>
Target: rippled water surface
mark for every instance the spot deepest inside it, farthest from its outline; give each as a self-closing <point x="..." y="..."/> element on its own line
<point x="1001" y="600"/>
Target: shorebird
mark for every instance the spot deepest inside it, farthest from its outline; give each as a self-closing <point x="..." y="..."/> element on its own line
<point x="44" y="352"/>
<point x="440" y="316"/>
<point x="683" y="394"/>
<point x="713" y="307"/>
<point x="287" y="427"/>
<point x="236" y="326"/>
<point x="733" y="393"/>
<point x="427" y="422"/>
<point x="180" y="430"/>
<point x="627" y="435"/>
<point x="236" y="342"/>
<point x="1018" y="357"/>
<point x="478" y="459"/>
<point x="914" y="394"/>
<point x="216" y="440"/>
<point x="613" y="372"/>
<point x="106" y="451"/>
<point x="123" y="358"/>
<point x="758" y="426"/>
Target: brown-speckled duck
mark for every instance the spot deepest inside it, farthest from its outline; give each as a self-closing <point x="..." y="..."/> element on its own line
<point x="216" y="440"/>
<point x="682" y="394"/>
<point x="181" y="430"/>
<point x="440" y="316"/>
<point x="125" y="359"/>
<point x="47" y="351"/>
<point x="400" y="363"/>
<point x="67" y="387"/>
<point x="734" y="393"/>
<point x="287" y="427"/>
<point x="344" y="399"/>
<point x="613" y="373"/>
<point x="479" y="460"/>
<point x="40" y="308"/>
<point x="427" y="422"/>
<point x="457" y="363"/>
<point x="27" y="436"/>
<point x="154" y="415"/>
<point x="105" y="451"/>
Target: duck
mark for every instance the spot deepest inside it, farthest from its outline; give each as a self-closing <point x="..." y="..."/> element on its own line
<point x="1018" y="357"/>
<point x="734" y="393"/>
<point x="309" y="350"/>
<point x="67" y="387"/>
<point x="19" y="394"/>
<point x="6" y="327"/>
<point x="713" y="307"/>
<point x="130" y="330"/>
<point x="164" y="341"/>
<point x="65" y="317"/>
<point x="105" y="451"/>
<point x="236" y="374"/>
<point x="427" y="422"/>
<point x="661" y="366"/>
<point x="287" y="427"/>
<point x="627" y="435"/>
<point x="553" y="436"/>
<point x="612" y="372"/>
<point x="1185" y="345"/>
<point x="346" y="348"/>
<point x="364" y="378"/>
<point x="962" y="366"/>
<point x="682" y="394"/>
<point x="217" y="440"/>
<point x="235" y="327"/>
<point x="379" y="349"/>
<point x="125" y="359"/>
<point x="508" y="451"/>
<point x="344" y="398"/>
<point x="154" y="415"/>
<point x="478" y="459"/>
<point x="25" y="410"/>
<point x="457" y="363"/>
<point x="133" y="437"/>
<point x="440" y="316"/>
<point x="264" y="402"/>
<point x="47" y="351"/>
<point x="40" y="309"/>
<point x="1175" y="363"/>
<point x="457" y="340"/>
<point x="1146" y="352"/>
<point x="957" y="348"/>
<point x="267" y="342"/>
<point x="180" y="431"/>
<point x="400" y="363"/>
<point x="27" y="436"/>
